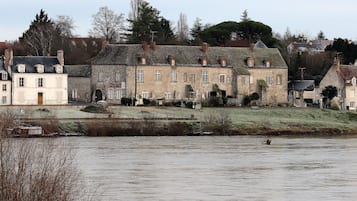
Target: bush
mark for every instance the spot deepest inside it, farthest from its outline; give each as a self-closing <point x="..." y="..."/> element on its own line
<point x="246" y="100"/>
<point x="94" y="109"/>
<point x="189" y="104"/>
<point x="146" y="101"/>
<point x="126" y="101"/>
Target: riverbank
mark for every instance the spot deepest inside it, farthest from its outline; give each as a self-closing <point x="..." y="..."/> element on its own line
<point x="125" y="121"/>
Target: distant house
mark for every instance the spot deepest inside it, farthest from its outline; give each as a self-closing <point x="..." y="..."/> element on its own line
<point x="310" y="47"/>
<point x="172" y="72"/>
<point x="5" y="83"/>
<point x="343" y="77"/>
<point x="37" y="80"/>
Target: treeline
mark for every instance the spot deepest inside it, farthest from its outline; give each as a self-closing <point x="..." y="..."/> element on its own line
<point x="145" y="23"/>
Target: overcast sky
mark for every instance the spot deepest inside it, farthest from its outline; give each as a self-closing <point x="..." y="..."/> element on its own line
<point x="334" y="18"/>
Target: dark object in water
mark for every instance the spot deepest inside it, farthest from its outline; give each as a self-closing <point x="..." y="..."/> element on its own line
<point x="268" y="142"/>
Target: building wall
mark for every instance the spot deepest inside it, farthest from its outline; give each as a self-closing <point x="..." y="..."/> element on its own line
<point x="79" y="89"/>
<point x="5" y="92"/>
<point x="277" y="81"/>
<point x="54" y="89"/>
<point x="110" y="80"/>
<point x="351" y="97"/>
<point x="172" y="81"/>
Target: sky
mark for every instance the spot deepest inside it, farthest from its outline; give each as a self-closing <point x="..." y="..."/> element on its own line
<point x="334" y="18"/>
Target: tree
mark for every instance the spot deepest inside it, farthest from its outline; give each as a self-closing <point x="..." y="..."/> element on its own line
<point x="135" y="5"/>
<point x="321" y="36"/>
<point x="65" y="25"/>
<point x="246" y="30"/>
<point x="182" y="28"/>
<point x="196" y="32"/>
<point x="107" y="24"/>
<point x="344" y="46"/>
<point x="41" y="35"/>
<point x="329" y="93"/>
<point x="244" y="16"/>
<point x="149" y="25"/>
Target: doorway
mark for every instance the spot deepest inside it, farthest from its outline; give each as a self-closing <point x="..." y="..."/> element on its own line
<point x="98" y="95"/>
<point x="40" y="98"/>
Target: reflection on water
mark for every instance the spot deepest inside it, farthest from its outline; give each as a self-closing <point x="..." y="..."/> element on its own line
<point x="219" y="168"/>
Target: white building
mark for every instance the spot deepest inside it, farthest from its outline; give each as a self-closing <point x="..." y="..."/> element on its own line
<point x="37" y="80"/>
<point x="5" y="84"/>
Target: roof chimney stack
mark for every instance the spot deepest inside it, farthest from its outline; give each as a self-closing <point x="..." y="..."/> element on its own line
<point x="205" y="47"/>
<point x="153" y="45"/>
<point x="8" y="61"/>
<point x="60" y="57"/>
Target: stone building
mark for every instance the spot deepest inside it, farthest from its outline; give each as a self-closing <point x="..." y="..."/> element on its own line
<point x="5" y="83"/>
<point x="79" y="82"/>
<point x="188" y="72"/>
<point x="343" y="77"/>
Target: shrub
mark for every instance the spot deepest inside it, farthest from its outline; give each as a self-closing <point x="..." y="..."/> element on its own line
<point x="94" y="108"/>
<point x="246" y="100"/>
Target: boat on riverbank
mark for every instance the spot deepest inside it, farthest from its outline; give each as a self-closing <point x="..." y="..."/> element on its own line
<point x="30" y="131"/>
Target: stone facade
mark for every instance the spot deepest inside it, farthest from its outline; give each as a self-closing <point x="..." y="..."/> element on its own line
<point x="189" y="72"/>
<point x="79" y="82"/>
<point x="343" y="77"/>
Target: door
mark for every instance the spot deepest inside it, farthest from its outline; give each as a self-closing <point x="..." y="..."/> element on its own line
<point x="40" y="98"/>
<point x="98" y="95"/>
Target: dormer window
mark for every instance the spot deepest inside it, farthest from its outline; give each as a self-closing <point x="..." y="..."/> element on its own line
<point x="203" y="61"/>
<point x="267" y="63"/>
<point x="40" y="68"/>
<point x="250" y="62"/>
<point x="58" y="68"/>
<point x="21" y="68"/>
<point x="4" y="75"/>
<point x="222" y="61"/>
<point x="171" y="60"/>
<point x="142" y="60"/>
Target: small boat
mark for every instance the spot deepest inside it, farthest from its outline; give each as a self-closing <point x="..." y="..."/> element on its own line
<point x="29" y="131"/>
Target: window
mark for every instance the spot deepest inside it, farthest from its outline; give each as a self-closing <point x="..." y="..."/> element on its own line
<point x="21" y="82"/>
<point x="278" y="79"/>
<point x="74" y="94"/>
<point x="118" y="94"/>
<point x="157" y="75"/>
<point x="173" y="76"/>
<point x="222" y="79"/>
<point x="185" y="77"/>
<point x="110" y="93"/>
<point x="269" y="80"/>
<point x="101" y="77"/>
<point x="167" y="95"/>
<point x="352" y="104"/>
<point x="193" y="78"/>
<point x="204" y="76"/>
<point x="251" y="79"/>
<point x="3" y="100"/>
<point x="117" y="76"/>
<point x="4" y="76"/>
<point x="40" y="82"/>
<point x="4" y="87"/>
<point x="140" y="76"/>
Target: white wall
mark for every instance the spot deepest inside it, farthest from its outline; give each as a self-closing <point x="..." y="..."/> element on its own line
<point x="54" y="89"/>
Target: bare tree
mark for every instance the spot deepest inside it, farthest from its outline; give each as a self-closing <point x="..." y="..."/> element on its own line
<point x="107" y="24"/>
<point x="135" y="5"/>
<point x="65" y="25"/>
<point x="182" y="28"/>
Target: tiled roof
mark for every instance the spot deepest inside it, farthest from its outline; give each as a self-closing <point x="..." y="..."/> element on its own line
<point x="348" y="71"/>
<point x="127" y="54"/>
<point x="31" y="61"/>
<point x="78" y="70"/>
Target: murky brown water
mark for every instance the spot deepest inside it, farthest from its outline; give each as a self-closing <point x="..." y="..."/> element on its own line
<point x="219" y="168"/>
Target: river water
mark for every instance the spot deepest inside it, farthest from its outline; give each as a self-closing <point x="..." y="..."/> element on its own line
<point x="218" y="168"/>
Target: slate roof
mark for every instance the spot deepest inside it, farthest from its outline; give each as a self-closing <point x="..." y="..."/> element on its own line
<point x="2" y="65"/>
<point x="127" y="54"/>
<point x="301" y="85"/>
<point x="348" y="71"/>
<point x="78" y="70"/>
<point x="31" y="61"/>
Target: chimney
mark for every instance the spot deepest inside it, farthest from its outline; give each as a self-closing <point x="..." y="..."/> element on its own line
<point x="205" y="47"/>
<point x="8" y="61"/>
<point x="153" y="45"/>
<point x="60" y="57"/>
<point x="337" y="62"/>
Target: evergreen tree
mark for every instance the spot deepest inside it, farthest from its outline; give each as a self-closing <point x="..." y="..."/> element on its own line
<point x="149" y="25"/>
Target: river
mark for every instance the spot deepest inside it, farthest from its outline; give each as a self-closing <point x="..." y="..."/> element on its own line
<point x="218" y="168"/>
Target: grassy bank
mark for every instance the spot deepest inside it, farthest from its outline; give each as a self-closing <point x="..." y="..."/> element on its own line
<point x="219" y="120"/>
